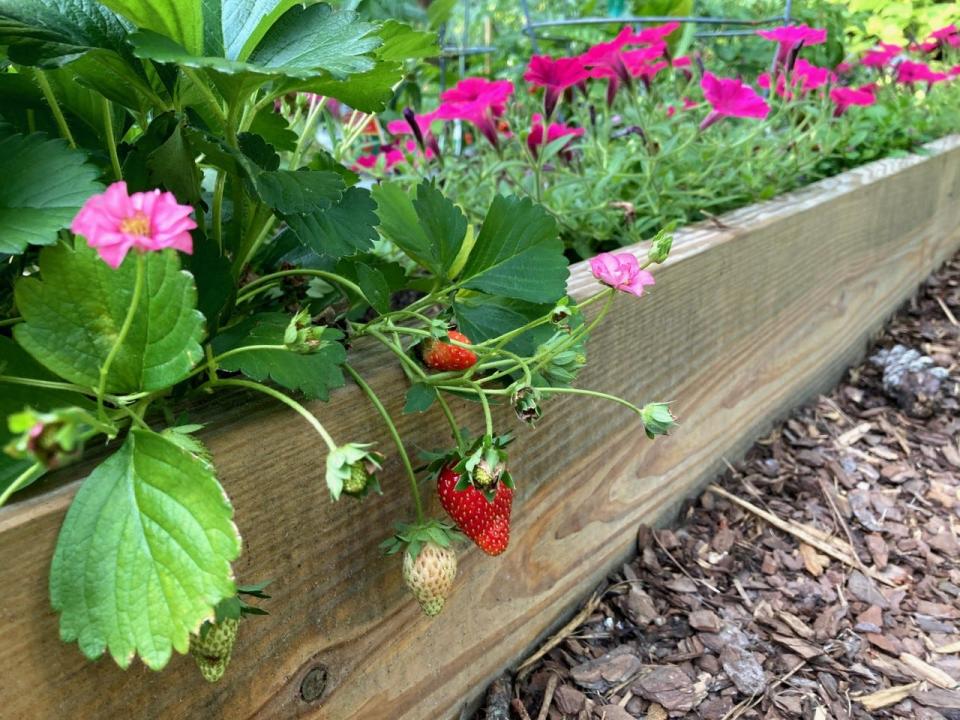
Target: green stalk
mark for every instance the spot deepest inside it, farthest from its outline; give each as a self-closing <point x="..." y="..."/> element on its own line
<point x="247" y="290"/>
<point x="111" y="139"/>
<point x="124" y="329"/>
<point x="487" y="416"/>
<point x="392" y="428"/>
<point x="22" y="479"/>
<point x="285" y="399"/>
<point x="591" y="393"/>
<point x="55" y="108"/>
<point x="217" y="211"/>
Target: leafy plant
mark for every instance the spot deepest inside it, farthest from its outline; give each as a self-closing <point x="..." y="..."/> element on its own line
<point x="171" y="234"/>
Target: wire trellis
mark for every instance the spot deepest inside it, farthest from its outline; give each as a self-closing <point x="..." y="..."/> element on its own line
<point x="531" y="28"/>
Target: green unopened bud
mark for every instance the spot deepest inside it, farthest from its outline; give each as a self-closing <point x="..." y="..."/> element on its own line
<point x="657" y="419"/>
<point x="661" y="244"/>
<point x="52" y="439"/>
<point x="302" y="336"/>
<point x="561" y="312"/>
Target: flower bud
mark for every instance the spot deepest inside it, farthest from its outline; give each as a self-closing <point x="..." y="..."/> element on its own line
<point x="661" y="244"/>
<point x="657" y="419"/>
<point x="302" y="336"/>
<point x="52" y="439"/>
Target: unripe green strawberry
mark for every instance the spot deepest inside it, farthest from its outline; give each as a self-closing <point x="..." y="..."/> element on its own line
<point x="357" y="482"/>
<point x="211" y="648"/>
<point x="430" y="576"/>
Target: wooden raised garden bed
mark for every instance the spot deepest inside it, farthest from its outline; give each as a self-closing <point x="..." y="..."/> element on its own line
<point x="752" y="315"/>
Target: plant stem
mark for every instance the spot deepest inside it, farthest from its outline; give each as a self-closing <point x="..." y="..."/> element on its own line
<point x="285" y="399"/>
<point x="22" y="479"/>
<point x="206" y="91"/>
<point x="306" y="135"/>
<point x="246" y="290"/>
<point x="55" y="108"/>
<point x="219" y="187"/>
<point x="124" y="329"/>
<point x="591" y="393"/>
<point x="392" y="428"/>
<point x="111" y="139"/>
<point x="6" y="322"/>
<point x="487" y="417"/>
<point x="451" y="419"/>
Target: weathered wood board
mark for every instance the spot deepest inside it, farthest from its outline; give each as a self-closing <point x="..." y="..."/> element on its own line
<point x="746" y="321"/>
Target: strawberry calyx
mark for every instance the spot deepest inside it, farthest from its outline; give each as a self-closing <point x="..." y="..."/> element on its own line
<point x="482" y="465"/>
<point x="411" y="537"/>
<point x="351" y="470"/>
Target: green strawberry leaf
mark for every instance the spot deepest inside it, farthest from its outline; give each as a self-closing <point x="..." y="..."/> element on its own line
<point x="314" y="374"/>
<point x="518" y="254"/>
<point x="419" y="398"/>
<point x="482" y="317"/>
<point x="144" y="553"/>
<point x="303" y="43"/>
<point x="369" y="91"/>
<point x="74" y="311"/>
<point x="299" y="191"/>
<point x="426" y="226"/>
<point x="52" y="183"/>
<point x="401" y="42"/>
<point x="345" y="229"/>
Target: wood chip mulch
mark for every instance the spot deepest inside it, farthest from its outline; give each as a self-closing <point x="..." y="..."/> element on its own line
<point x="819" y="578"/>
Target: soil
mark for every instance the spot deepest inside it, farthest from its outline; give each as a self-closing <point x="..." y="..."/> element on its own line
<point x="818" y="578"/>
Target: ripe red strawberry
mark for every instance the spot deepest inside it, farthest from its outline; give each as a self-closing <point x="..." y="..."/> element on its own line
<point x="444" y="356"/>
<point x="430" y="575"/>
<point x="486" y="523"/>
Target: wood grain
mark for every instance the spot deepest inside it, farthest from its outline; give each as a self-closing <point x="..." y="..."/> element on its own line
<point x="744" y="323"/>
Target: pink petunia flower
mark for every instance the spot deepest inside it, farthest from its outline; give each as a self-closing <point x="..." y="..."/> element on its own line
<point x="843" y="68"/>
<point x="909" y="72"/>
<point x="114" y="221"/>
<point x="803" y="78"/>
<point x="620" y="271"/>
<point x="844" y="97"/>
<point x="554" y="75"/>
<point x="654" y="35"/>
<point x="555" y="131"/>
<point x="949" y="35"/>
<point x="881" y="55"/>
<point x="402" y="127"/>
<point x="477" y="101"/>
<point x="385" y="160"/>
<point x="730" y="97"/>
<point x="790" y="36"/>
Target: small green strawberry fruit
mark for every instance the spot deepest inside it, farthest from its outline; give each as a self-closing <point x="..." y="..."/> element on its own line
<point x="212" y="646"/>
<point x="430" y="575"/>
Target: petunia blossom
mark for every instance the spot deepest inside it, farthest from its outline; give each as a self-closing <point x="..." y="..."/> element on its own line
<point x="949" y="35"/>
<point x="621" y="271"/>
<point x="881" y="55"/>
<point x="654" y="35"/>
<point x="554" y="75"/>
<point x="115" y="221"/>
<point x="730" y="97"/>
<point x="844" y="97"/>
<point x="555" y="131"/>
<point x="789" y="37"/>
<point x="804" y="77"/>
<point x="909" y="72"/>
<point x="477" y="101"/>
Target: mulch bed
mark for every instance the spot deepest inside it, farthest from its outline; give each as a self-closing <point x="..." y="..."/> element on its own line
<point x="819" y="578"/>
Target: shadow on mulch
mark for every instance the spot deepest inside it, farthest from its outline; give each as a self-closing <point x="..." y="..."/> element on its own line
<point x="819" y="578"/>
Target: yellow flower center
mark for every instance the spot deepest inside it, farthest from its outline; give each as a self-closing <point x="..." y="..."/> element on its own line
<point x="136" y="224"/>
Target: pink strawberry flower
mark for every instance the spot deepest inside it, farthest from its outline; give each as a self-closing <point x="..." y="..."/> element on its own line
<point x="844" y="97"/>
<point x="554" y="75"/>
<point x="555" y="131"/>
<point x="730" y="97"/>
<point x="909" y="72"/>
<point x="621" y="271"/>
<point x="114" y="221"/>
<point x="791" y="36"/>
<point x="881" y="55"/>
<point x="477" y="101"/>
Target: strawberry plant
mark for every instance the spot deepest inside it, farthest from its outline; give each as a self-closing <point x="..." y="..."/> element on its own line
<point x="173" y="232"/>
